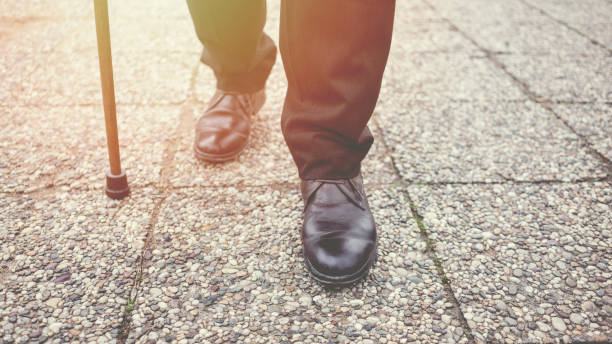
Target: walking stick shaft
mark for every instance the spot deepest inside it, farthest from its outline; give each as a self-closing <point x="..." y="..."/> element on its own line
<point x="108" y="88"/>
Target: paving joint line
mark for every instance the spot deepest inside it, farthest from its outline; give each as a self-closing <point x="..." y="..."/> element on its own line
<point x="512" y="181"/>
<point x="592" y="40"/>
<point x="126" y="316"/>
<point x="281" y="186"/>
<point x="578" y="102"/>
<point x="544" y="103"/>
<point x="97" y="103"/>
<point x="446" y="283"/>
<point x="203" y="103"/>
<point x="430" y="247"/>
<point x="165" y="189"/>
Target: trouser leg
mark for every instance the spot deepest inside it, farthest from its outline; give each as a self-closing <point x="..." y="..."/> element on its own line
<point x="334" y="53"/>
<point x="235" y="46"/>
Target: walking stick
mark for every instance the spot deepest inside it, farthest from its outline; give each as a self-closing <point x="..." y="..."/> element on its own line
<point x="116" y="180"/>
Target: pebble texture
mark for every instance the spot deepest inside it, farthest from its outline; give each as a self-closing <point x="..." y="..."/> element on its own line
<point x="568" y="78"/>
<point x="227" y="266"/>
<point x="71" y="150"/>
<point x="528" y="263"/>
<point x="592" y="121"/>
<point x="67" y="265"/>
<point x="492" y="124"/>
<point x="580" y="16"/>
<point x="483" y="141"/>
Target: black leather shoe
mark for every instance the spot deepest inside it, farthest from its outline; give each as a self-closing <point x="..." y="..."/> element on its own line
<point x="339" y="233"/>
<point x="223" y="131"/>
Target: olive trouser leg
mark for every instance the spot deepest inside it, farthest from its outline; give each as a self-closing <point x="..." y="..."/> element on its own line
<point x="235" y="46"/>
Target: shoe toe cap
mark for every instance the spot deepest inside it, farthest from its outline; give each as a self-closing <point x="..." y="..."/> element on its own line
<point x="220" y="142"/>
<point x="339" y="257"/>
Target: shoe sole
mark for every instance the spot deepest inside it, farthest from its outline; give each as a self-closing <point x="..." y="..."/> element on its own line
<point x="233" y="155"/>
<point x="219" y="157"/>
<point x="342" y="281"/>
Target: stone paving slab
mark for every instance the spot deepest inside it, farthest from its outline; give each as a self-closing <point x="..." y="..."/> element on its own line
<point x="129" y="36"/>
<point x="68" y="10"/>
<point x="143" y="77"/>
<point x="483" y="10"/>
<point x="529" y="262"/>
<point x="426" y="37"/>
<point x="445" y="76"/>
<point x="564" y="78"/>
<point x="33" y="35"/>
<point x="601" y="32"/>
<point x="411" y="12"/>
<point x="227" y="265"/>
<point x="155" y="11"/>
<point x="542" y="37"/>
<point x="69" y="265"/>
<point x="592" y="121"/>
<point x="14" y="211"/>
<point x="14" y="68"/>
<point x="24" y="45"/>
<point x="482" y="141"/>
<point x="485" y="19"/>
<point x="48" y="61"/>
<point x="67" y="145"/>
<point x="576" y="10"/>
<point x="28" y="9"/>
<point x="591" y="17"/>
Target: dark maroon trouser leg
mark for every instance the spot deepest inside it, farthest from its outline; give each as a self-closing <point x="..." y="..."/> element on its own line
<point x="334" y="53"/>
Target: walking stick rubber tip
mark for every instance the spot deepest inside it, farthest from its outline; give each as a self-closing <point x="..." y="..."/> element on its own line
<point x="117" y="185"/>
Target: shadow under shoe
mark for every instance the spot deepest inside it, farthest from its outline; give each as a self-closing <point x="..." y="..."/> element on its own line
<point x="339" y="233"/>
<point x="223" y="131"/>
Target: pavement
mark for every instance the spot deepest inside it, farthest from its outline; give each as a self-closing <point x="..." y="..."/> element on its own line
<point x="490" y="181"/>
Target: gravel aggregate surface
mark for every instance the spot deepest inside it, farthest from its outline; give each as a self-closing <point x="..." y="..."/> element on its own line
<point x="72" y="150"/>
<point x="24" y="10"/>
<point x="581" y="16"/>
<point x="529" y="263"/>
<point x="568" y="78"/>
<point x="591" y="121"/>
<point x="17" y="60"/>
<point x="170" y="34"/>
<point x="482" y="141"/>
<point x="141" y="77"/>
<point x="443" y="76"/>
<point x="502" y="36"/>
<point x="483" y="10"/>
<point x="492" y="124"/>
<point x="68" y="268"/>
<point x="235" y="273"/>
<point x="427" y="37"/>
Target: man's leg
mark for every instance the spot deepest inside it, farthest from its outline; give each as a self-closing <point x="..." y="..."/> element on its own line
<point x="241" y="55"/>
<point x="334" y="53"/>
<point x="235" y="46"/>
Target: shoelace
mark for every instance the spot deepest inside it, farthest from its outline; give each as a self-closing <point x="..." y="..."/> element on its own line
<point x="243" y="100"/>
<point x="352" y="193"/>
